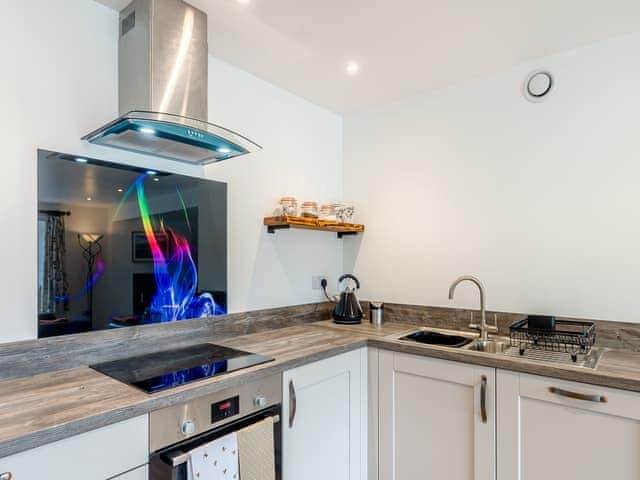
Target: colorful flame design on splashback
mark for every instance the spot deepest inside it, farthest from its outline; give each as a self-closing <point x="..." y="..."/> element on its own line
<point x="174" y="269"/>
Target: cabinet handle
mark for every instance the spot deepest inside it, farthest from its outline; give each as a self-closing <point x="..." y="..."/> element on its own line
<point x="578" y="396"/>
<point x="6" y="476"/>
<point x="292" y="404"/>
<point x="483" y="399"/>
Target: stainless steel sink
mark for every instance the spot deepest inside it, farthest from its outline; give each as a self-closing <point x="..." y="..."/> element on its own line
<point x="454" y="339"/>
<point x="494" y="345"/>
<point x="490" y="346"/>
<point x="438" y="337"/>
<point x="430" y="337"/>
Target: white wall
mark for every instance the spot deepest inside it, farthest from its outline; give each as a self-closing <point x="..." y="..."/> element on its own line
<point x="59" y="81"/>
<point x="302" y="156"/>
<point x="541" y="201"/>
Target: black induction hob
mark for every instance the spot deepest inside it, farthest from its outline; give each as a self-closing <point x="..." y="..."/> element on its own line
<point x="158" y="371"/>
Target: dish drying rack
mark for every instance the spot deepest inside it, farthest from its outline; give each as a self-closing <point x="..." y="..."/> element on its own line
<point x="569" y="336"/>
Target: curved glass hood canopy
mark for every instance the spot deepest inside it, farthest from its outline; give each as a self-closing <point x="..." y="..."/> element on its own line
<point x="163" y="82"/>
<point x="172" y="136"/>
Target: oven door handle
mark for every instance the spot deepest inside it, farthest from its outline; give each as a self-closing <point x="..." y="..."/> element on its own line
<point x="179" y="457"/>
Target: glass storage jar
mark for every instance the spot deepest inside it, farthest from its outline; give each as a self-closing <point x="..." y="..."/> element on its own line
<point x="344" y="212"/>
<point x="327" y="213"/>
<point x="288" y="206"/>
<point x="310" y="209"/>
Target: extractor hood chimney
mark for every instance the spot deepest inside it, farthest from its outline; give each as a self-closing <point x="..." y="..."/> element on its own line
<point x="163" y="80"/>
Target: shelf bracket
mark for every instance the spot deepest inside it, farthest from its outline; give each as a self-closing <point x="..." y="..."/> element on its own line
<point x="342" y="234"/>
<point x="273" y="228"/>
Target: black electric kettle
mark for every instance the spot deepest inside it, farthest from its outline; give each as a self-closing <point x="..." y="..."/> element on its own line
<point x="348" y="310"/>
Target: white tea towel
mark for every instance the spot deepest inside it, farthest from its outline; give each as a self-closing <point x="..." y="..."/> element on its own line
<point x="256" y="447"/>
<point x="217" y="460"/>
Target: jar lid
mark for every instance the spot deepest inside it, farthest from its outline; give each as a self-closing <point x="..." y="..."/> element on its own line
<point x="310" y="204"/>
<point x="287" y="199"/>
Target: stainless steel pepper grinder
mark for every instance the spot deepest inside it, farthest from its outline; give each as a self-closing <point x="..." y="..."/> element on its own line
<point x="376" y="313"/>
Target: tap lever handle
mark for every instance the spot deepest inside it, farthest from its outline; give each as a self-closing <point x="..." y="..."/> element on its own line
<point x="473" y="325"/>
<point x="493" y="328"/>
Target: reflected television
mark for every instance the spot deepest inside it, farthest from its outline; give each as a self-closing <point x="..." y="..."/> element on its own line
<point x="121" y="246"/>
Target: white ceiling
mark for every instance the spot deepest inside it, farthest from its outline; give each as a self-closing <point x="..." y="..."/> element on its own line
<point x="403" y="47"/>
<point x="71" y="183"/>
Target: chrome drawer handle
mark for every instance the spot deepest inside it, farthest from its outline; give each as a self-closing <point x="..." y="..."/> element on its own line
<point x="578" y="396"/>
<point x="483" y="399"/>
<point x="6" y="476"/>
<point x="293" y="403"/>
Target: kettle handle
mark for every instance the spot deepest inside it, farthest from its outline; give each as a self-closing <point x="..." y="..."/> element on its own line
<point x="352" y="277"/>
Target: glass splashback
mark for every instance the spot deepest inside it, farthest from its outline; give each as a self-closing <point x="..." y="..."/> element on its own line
<point x="121" y="246"/>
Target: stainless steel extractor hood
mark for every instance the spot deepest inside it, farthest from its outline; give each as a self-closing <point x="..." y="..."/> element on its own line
<point x="163" y="80"/>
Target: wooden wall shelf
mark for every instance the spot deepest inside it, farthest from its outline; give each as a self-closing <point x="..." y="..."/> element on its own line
<point x="342" y="229"/>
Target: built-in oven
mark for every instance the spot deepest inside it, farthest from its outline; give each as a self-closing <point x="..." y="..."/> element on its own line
<point x="174" y="432"/>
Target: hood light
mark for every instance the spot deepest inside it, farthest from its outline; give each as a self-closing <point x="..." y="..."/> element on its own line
<point x="172" y="137"/>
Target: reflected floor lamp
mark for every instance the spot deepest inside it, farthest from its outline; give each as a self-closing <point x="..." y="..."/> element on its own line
<point x="91" y="248"/>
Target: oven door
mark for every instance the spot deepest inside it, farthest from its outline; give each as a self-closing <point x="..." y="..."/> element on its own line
<point x="171" y="463"/>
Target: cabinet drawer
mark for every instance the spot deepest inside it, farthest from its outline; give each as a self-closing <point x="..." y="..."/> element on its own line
<point x="95" y="455"/>
<point x="557" y="430"/>
<point x="581" y="395"/>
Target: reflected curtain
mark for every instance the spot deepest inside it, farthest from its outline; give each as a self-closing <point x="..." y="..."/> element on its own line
<point x="55" y="275"/>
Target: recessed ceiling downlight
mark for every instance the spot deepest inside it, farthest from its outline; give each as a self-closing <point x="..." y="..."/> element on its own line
<point x="538" y="85"/>
<point x="352" y="68"/>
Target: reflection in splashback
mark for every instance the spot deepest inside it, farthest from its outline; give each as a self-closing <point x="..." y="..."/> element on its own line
<point x="121" y="246"/>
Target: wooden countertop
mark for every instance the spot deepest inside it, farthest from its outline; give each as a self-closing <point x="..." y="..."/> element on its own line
<point x="45" y="408"/>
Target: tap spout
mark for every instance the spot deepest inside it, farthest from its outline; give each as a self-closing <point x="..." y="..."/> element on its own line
<point x="484" y="328"/>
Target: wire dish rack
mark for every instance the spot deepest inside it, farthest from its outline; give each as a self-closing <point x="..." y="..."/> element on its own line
<point x="568" y="336"/>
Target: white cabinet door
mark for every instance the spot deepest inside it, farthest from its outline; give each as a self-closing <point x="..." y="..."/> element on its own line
<point x="436" y="419"/>
<point x="555" y="430"/>
<point x="323" y="424"/>
<point x="141" y="473"/>
<point x="95" y="455"/>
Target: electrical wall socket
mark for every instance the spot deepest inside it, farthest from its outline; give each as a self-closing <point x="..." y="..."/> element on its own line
<point x="315" y="282"/>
